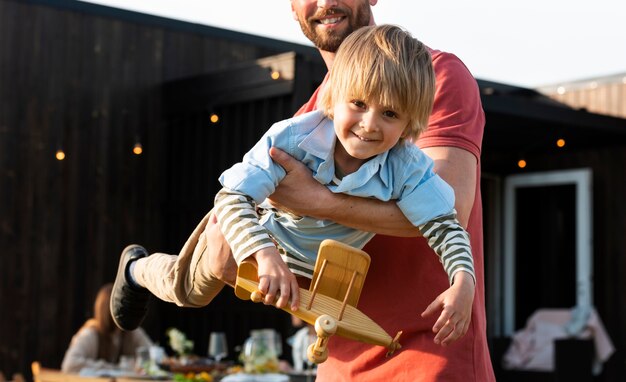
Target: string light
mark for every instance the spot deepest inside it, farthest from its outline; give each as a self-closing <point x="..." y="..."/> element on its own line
<point x="522" y="163"/>
<point x="137" y="149"/>
<point x="60" y="154"/>
<point x="214" y="118"/>
<point x="275" y="74"/>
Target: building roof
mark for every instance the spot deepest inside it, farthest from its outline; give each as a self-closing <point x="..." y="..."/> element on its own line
<point x="520" y="117"/>
<point x="180" y="25"/>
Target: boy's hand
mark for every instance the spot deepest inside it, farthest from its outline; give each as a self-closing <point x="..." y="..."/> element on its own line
<point x="276" y="280"/>
<point x="456" y="309"/>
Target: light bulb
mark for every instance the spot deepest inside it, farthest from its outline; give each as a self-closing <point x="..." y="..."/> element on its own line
<point x="137" y="149"/>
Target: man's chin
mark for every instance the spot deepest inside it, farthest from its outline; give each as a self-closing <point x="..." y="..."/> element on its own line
<point x="329" y="47"/>
<point x="330" y="42"/>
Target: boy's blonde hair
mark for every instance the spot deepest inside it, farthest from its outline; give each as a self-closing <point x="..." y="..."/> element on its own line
<point x="387" y="65"/>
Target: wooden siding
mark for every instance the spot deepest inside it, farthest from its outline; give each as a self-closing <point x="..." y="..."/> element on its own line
<point x="247" y="102"/>
<point x="90" y="80"/>
<point x="604" y="95"/>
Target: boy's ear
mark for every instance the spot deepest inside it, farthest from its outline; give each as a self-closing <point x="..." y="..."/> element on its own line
<point x="406" y="132"/>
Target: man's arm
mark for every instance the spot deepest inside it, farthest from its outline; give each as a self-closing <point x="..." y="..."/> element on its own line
<point x="458" y="168"/>
<point x="298" y="192"/>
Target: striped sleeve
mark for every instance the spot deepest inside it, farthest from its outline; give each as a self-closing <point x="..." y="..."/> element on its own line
<point x="451" y="243"/>
<point x="240" y="225"/>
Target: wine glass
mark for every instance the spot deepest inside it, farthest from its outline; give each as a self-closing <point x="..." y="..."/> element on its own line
<point x="218" y="347"/>
<point x="142" y="359"/>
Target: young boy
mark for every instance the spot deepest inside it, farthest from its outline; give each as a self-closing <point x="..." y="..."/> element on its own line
<point x="381" y="90"/>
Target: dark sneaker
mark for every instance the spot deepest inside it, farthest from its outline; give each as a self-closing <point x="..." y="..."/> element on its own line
<point x="129" y="302"/>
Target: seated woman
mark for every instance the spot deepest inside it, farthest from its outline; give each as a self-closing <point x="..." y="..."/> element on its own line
<point x="99" y="343"/>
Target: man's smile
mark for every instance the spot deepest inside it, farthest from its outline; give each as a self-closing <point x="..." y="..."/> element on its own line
<point x="330" y="20"/>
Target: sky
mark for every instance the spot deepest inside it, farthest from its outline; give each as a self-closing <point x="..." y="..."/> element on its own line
<point x="529" y="43"/>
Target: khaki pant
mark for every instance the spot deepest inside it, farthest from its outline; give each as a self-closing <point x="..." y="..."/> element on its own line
<point x="184" y="279"/>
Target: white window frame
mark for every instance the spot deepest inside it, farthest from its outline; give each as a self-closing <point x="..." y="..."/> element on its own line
<point x="582" y="180"/>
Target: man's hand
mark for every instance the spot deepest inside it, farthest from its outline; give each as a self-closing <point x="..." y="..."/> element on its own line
<point x="300" y="194"/>
<point x="456" y="309"/>
<point x="297" y="186"/>
<point x="276" y="280"/>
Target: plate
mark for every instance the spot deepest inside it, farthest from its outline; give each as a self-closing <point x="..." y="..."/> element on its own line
<point x="197" y="365"/>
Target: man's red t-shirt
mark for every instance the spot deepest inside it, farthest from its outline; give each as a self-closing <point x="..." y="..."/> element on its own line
<point x="405" y="275"/>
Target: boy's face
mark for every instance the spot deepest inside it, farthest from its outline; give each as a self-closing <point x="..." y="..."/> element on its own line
<point x="367" y="129"/>
<point x="328" y="23"/>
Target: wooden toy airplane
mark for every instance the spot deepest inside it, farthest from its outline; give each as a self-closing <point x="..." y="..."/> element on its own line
<point x="330" y="303"/>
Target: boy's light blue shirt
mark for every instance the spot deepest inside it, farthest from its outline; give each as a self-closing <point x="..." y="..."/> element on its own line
<point x="404" y="173"/>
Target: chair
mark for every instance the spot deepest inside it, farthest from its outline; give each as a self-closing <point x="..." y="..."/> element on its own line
<point x="41" y="374"/>
<point x="556" y="344"/>
<point x="572" y="360"/>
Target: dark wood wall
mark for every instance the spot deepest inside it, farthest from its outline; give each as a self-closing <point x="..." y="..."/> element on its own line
<point x="609" y="247"/>
<point x="89" y="79"/>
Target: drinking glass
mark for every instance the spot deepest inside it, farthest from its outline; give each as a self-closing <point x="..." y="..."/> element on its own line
<point x="142" y="359"/>
<point x="260" y="352"/>
<point x="218" y="347"/>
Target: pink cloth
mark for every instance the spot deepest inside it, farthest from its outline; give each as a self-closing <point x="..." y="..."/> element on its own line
<point x="532" y="348"/>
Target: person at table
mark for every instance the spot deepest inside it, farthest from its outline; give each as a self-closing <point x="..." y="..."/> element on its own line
<point x="99" y="343"/>
<point x="431" y="350"/>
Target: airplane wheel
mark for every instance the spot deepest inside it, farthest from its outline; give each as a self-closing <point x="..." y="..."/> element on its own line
<point x="325" y="325"/>
<point x="315" y="357"/>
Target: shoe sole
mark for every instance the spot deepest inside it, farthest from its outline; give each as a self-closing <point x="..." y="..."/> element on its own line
<point x="121" y="270"/>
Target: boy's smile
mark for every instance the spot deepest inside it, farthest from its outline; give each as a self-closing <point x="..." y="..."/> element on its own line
<point x="363" y="138"/>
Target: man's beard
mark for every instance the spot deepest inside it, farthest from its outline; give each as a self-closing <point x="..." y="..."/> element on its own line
<point x="331" y="40"/>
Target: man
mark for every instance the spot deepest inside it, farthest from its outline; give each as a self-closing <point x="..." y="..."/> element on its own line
<point x="404" y="276"/>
